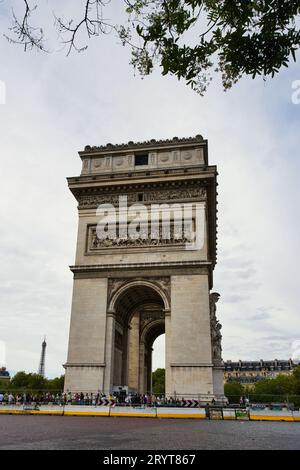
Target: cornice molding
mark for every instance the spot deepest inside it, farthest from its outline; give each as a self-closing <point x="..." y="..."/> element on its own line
<point x="192" y="364"/>
<point x="83" y="364"/>
<point x="149" y="176"/>
<point x="167" y="264"/>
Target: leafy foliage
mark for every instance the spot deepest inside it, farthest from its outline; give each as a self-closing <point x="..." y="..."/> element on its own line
<point x="235" y="38"/>
<point x="158" y="382"/>
<point x="280" y="389"/>
<point x="233" y="391"/>
<point x="189" y="39"/>
<point x="296" y="380"/>
<point x="23" y="381"/>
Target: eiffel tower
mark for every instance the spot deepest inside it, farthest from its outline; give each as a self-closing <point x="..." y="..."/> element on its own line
<point x="41" y="370"/>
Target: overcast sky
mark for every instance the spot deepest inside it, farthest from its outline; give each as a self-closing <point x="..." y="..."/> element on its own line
<point x="55" y="105"/>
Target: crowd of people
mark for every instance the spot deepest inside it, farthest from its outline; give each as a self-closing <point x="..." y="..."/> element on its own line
<point x="92" y="399"/>
<point x="23" y="398"/>
<point x="244" y="401"/>
<point x="36" y="399"/>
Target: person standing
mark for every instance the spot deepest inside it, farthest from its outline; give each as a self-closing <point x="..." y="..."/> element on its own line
<point x="10" y="399"/>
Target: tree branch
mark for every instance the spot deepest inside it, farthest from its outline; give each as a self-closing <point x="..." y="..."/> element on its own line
<point x="93" y="26"/>
<point x="26" y="34"/>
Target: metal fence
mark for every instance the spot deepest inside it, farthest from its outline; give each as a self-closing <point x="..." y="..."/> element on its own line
<point x="86" y="398"/>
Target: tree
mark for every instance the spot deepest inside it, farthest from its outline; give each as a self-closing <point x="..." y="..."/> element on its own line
<point x="296" y="380"/>
<point x="273" y="390"/>
<point x="233" y="391"/>
<point x="31" y="381"/>
<point x="189" y="39"/>
<point x="4" y="385"/>
<point x="36" y="382"/>
<point x="158" y="382"/>
<point x="57" y="383"/>
<point x="19" y="380"/>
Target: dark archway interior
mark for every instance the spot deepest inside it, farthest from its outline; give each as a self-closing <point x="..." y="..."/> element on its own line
<point x="133" y="298"/>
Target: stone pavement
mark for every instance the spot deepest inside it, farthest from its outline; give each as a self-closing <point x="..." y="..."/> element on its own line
<point x="56" y="432"/>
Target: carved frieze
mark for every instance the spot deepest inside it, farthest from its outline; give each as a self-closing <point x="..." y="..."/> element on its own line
<point x="178" y="194"/>
<point x="113" y="286"/>
<point x="177" y="236"/>
<point x="87" y="201"/>
<point x="164" y="283"/>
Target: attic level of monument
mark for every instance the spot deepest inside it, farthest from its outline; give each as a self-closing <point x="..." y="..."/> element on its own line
<point x="135" y="158"/>
<point x="177" y="172"/>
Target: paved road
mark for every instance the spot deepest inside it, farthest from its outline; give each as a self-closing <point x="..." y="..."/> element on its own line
<point x="55" y="432"/>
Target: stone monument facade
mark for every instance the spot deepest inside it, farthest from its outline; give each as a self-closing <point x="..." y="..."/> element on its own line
<point x="129" y="290"/>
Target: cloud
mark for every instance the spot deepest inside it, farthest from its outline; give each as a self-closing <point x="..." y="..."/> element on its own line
<point x="234" y="298"/>
<point x="259" y="316"/>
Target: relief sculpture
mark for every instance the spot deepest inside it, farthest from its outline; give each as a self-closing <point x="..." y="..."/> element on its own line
<point x="89" y="201"/>
<point x="215" y="326"/>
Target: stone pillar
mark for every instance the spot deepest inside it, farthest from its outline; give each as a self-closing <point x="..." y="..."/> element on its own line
<point x="86" y="353"/>
<point x="134" y="352"/>
<point x="191" y="359"/>
<point x="125" y="356"/>
<point x="109" y="352"/>
<point x="218" y="381"/>
<point x="146" y="365"/>
<point x="141" y="388"/>
<point x="168" y="345"/>
<point x="148" y="387"/>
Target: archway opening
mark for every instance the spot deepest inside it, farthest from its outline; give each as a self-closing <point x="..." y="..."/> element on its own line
<point x="153" y="330"/>
<point x="139" y="321"/>
<point x="159" y="366"/>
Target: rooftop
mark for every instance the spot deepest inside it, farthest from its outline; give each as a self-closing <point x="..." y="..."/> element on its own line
<point x="4" y="373"/>
<point x="250" y="365"/>
<point x="152" y="143"/>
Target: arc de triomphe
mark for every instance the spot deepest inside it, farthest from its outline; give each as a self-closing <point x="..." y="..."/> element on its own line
<point x="126" y="291"/>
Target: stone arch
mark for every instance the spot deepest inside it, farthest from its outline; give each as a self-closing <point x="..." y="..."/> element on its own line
<point x="137" y="283"/>
<point x="156" y="327"/>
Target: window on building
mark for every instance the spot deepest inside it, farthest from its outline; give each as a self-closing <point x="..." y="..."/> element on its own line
<point x="141" y="159"/>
